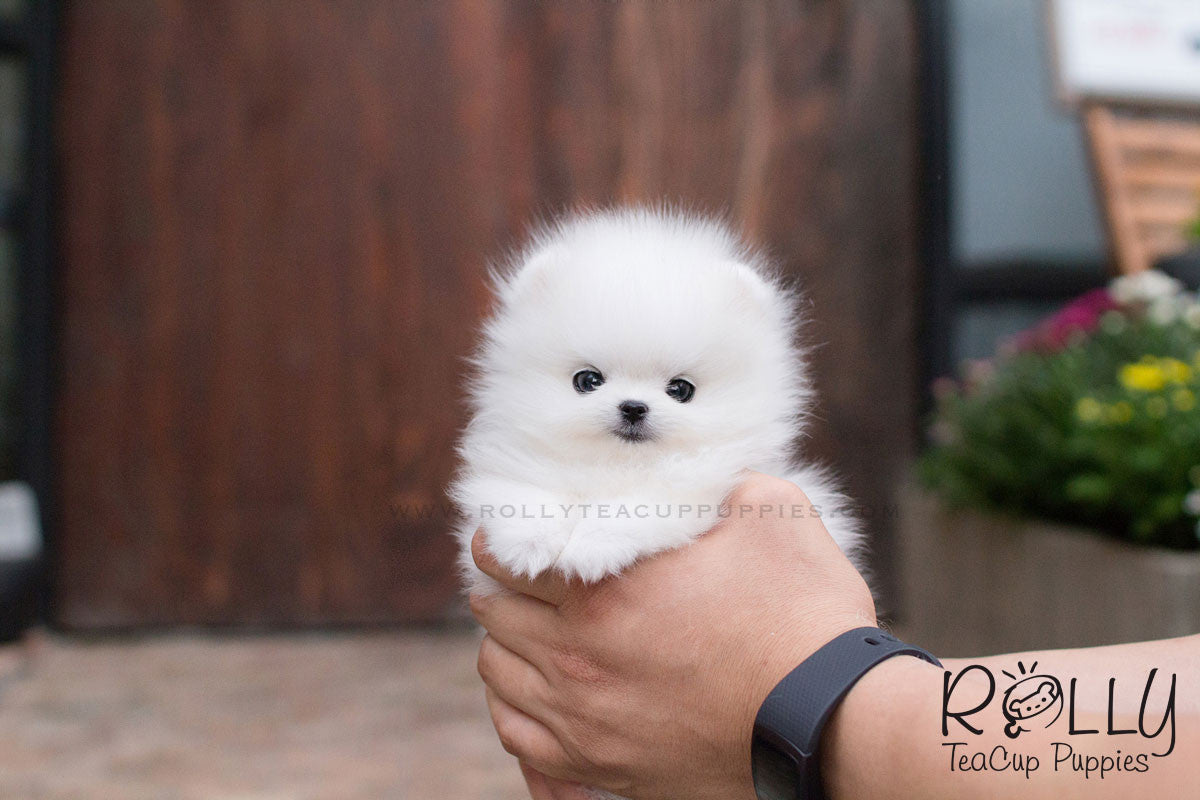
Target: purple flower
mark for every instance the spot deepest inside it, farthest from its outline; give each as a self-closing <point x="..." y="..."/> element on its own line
<point x="1078" y="318"/>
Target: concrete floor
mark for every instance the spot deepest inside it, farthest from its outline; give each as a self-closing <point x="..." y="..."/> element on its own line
<point x="363" y="716"/>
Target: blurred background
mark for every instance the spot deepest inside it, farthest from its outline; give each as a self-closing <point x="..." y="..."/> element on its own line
<point x="242" y="256"/>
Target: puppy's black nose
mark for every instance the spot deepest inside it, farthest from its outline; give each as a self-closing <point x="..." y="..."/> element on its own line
<point x="633" y="410"/>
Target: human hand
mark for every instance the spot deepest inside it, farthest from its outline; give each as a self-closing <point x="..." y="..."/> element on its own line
<point x="543" y="787"/>
<point x="647" y="685"/>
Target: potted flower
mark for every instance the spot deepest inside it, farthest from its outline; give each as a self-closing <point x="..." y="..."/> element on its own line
<point x="1060" y="498"/>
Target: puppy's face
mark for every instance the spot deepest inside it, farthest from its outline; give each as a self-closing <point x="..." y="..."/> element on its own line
<point x="632" y="421"/>
<point x="615" y="346"/>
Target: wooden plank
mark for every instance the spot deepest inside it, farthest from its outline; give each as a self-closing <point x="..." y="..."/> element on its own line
<point x="1166" y="211"/>
<point x="1179" y="177"/>
<point x="1158" y="136"/>
<point x="1159" y="241"/>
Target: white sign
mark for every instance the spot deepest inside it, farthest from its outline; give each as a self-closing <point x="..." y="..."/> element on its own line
<point x="20" y="533"/>
<point x="1135" y="50"/>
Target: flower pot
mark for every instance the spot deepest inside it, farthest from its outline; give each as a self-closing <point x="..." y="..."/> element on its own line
<point x="975" y="584"/>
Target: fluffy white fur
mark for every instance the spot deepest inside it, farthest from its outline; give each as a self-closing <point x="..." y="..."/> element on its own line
<point x="642" y="296"/>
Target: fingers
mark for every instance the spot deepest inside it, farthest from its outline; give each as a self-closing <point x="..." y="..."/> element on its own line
<point x="526" y="738"/>
<point x="549" y="586"/>
<point x="767" y="499"/>
<point x="766" y="496"/>
<point x="521" y="623"/>
<point x="543" y="787"/>
<point x="537" y="784"/>
<point x="517" y="681"/>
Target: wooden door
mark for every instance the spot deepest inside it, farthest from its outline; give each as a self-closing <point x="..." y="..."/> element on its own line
<point x="276" y="218"/>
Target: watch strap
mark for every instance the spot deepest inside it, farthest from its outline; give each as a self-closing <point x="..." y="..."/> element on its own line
<point x="787" y="730"/>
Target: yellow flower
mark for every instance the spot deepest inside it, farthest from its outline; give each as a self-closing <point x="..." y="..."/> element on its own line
<point x="1088" y="409"/>
<point x="1183" y="399"/>
<point x="1143" y="377"/>
<point x="1157" y="407"/>
<point x="1120" y="412"/>
<point x="1175" y="370"/>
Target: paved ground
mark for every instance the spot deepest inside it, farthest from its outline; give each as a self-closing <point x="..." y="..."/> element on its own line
<point x="275" y="717"/>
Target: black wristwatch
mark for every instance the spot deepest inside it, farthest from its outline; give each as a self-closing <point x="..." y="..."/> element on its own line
<point x="787" y="730"/>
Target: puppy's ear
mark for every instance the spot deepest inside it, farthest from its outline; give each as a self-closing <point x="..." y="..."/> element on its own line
<point x="531" y="275"/>
<point x="758" y="292"/>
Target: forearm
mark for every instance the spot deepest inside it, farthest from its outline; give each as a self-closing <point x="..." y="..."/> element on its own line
<point x="886" y="740"/>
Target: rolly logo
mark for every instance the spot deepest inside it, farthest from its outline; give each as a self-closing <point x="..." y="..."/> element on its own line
<point x="1038" y="700"/>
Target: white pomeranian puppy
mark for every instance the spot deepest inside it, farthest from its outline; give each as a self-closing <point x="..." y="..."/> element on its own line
<point x="638" y="364"/>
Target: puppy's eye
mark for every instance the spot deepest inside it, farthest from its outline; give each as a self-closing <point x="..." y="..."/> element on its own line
<point x="587" y="380"/>
<point x="681" y="390"/>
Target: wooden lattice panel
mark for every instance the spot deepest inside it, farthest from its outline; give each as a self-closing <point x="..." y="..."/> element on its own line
<point x="1148" y="167"/>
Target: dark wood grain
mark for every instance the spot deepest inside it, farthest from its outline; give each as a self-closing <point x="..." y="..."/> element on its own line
<point x="276" y="221"/>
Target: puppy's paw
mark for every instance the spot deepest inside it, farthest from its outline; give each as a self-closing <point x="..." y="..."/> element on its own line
<point x="526" y="547"/>
<point x="596" y="550"/>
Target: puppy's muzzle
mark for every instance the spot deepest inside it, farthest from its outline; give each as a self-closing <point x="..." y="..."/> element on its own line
<point x="633" y="426"/>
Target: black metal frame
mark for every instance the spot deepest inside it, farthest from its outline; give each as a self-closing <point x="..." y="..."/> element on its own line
<point x="936" y="320"/>
<point x="947" y="287"/>
<point x="30" y="215"/>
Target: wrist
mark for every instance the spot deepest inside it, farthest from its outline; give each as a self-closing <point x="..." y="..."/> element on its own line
<point x="867" y="745"/>
<point x="784" y="650"/>
<point x="792" y="646"/>
<point x="789" y="730"/>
